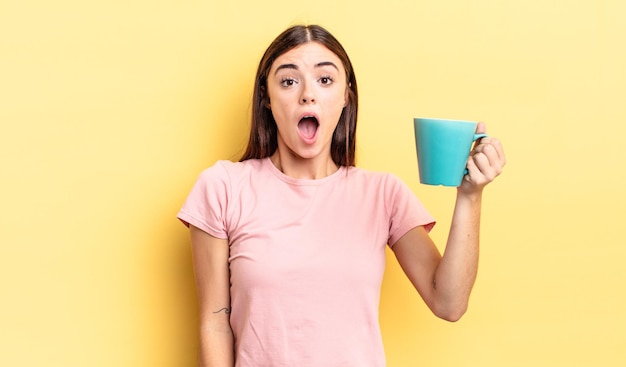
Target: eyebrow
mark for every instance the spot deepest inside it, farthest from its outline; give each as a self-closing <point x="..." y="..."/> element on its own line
<point x="295" y="67"/>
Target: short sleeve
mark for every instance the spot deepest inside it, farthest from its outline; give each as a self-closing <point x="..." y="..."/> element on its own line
<point x="207" y="203"/>
<point x="405" y="210"/>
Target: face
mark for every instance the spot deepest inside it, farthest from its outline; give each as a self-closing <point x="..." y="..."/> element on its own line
<point x="307" y="92"/>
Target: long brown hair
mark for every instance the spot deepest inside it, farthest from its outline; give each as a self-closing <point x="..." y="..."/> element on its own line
<point x="263" y="140"/>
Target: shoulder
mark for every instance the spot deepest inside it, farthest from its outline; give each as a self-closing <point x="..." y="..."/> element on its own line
<point x="385" y="186"/>
<point x="381" y="179"/>
<point x="224" y="170"/>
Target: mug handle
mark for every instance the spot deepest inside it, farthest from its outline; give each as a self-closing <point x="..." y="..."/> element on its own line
<point x="476" y="137"/>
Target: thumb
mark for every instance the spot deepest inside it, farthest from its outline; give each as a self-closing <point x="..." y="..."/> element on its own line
<point x="481" y="128"/>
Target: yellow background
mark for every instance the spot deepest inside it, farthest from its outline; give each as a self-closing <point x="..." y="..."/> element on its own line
<point x="110" y="109"/>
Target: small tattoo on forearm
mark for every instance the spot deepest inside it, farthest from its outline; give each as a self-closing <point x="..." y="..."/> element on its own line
<point x="225" y="309"/>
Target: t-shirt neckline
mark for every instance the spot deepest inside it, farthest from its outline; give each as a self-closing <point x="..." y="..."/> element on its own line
<point x="301" y="181"/>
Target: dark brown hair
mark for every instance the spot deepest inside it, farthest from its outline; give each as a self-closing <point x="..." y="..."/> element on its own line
<point x="263" y="140"/>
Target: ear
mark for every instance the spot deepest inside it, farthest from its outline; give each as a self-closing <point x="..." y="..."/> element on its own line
<point x="346" y="96"/>
<point x="266" y="99"/>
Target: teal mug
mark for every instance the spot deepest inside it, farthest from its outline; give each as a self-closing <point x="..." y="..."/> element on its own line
<point x="443" y="147"/>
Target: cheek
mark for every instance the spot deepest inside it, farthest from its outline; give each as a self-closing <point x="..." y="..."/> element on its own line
<point x="280" y="112"/>
<point x="278" y="115"/>
<point x="340" y="104"/>
<point x="337" y="100"/>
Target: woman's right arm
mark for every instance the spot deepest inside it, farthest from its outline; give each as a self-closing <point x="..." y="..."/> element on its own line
<point x="210" y="261"/>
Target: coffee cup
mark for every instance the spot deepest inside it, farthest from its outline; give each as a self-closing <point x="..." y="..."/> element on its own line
<point x="443" y="148"/>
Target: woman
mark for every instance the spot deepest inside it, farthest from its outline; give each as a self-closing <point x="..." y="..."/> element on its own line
<point x="289" y="243"/>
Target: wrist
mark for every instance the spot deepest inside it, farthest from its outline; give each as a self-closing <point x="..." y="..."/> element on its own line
<point x="472" y="196"/>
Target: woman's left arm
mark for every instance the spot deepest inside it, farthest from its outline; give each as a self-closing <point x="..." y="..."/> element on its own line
<point x="445" y="283"/>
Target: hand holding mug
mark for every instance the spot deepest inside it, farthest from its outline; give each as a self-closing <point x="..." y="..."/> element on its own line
<point x="485" y="162"/>
<point x="444" y="157"/>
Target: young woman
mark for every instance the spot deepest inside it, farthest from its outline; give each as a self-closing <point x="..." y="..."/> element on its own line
<point x="289" y="243"/>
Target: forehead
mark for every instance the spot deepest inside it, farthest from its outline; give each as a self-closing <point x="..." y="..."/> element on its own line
<point x="308" y="54"/>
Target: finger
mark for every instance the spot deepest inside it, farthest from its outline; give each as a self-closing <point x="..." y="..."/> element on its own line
<point x="485" y="140"/>
<point x="474" y="175"/>
<point x="498" y="147"/>
<point x="488" y="164"/>
<point x="495" y="167"/>
<point x="490" y="152"/>
<point x="481" y="128"/>
<point x="493" y="148"/>
<point x="482" y="162"/>
<point x="473" y="172"/>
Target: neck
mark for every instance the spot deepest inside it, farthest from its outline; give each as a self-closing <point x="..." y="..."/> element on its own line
<point x="304" y="168"/>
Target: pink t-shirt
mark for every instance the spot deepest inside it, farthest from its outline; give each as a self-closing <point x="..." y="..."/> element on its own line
<point x="306" y="258"/>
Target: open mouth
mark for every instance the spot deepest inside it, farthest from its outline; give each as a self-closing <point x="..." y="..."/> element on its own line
<point x="308" y="126"/>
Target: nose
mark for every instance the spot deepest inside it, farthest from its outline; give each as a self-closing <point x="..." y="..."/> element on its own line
<point x="308" y="95"/>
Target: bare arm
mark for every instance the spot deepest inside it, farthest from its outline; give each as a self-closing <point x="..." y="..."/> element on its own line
<point x="445" y="282"/>
<point x="210" y="260"/>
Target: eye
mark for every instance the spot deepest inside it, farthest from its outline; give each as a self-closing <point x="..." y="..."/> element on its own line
<point x="326" y="80"/>
<point x="287" y="82"/>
